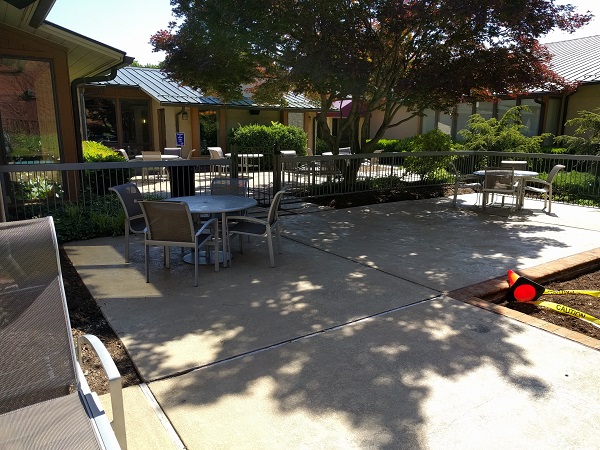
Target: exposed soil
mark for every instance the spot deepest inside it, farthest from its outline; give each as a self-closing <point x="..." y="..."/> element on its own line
<point x="86" y="317"/>
<point x="584" y="303"/>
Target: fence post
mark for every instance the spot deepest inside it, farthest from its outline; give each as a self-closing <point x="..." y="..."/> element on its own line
<point x="276" y="169"/>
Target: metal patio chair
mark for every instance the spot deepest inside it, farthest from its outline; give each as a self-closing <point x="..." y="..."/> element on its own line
<point x="45" y="401"/>
<point x="465" y="181"/>
<point x="546" y="185"/>
<point x="251" y="226"/>
<point x="217" y="153"/>
<point x="169" y="224"/>
<point x="501" y="181"/>
<point x="129" y="195"/>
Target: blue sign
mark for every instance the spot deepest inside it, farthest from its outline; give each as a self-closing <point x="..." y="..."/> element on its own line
<point x="180" y="139"/>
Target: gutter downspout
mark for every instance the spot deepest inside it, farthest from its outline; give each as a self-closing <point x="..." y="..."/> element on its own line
<point x="79" y="105"/>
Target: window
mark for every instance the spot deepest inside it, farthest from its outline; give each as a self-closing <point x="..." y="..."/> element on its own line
<point x="28" y="119"/>
<point x="463" y="113"/>
<point x="505" y="105"/>
<point x="101" y="121"/>
<point x="428" y="121"/>
<point x="485" y="109"/>
<point x="531" y="118"/>
<point x="209" y="130"/>
<point x="135" y="125"/>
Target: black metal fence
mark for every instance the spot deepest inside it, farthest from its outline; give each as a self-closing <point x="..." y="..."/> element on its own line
<point x="32" y="190"/>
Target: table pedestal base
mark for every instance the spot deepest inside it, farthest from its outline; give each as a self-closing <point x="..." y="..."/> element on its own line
<point x="202" y="258"/>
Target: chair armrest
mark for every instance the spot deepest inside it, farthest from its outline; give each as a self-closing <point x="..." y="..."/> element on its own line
<point x="207" y="224"/>
<point x="114" y="379"/>
<point x="538" y="181"/>
<point x="245" y="219"/>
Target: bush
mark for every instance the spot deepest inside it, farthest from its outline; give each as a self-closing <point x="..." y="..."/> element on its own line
<point x="502" y="135"/>
<point x="267" y="137"/>
<point x="98" y="181"/>
<point x="588" y="129"/>
<point x="428" y="167"/>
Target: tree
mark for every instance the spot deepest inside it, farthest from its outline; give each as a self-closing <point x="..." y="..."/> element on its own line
<point x="383" y="54"/>
<point x="588" y="130"/>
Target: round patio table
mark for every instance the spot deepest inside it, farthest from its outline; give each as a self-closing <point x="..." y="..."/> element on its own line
<point x="215" y="204"/>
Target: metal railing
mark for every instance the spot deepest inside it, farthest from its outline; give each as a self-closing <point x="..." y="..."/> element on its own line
<point x="33" y="190"/>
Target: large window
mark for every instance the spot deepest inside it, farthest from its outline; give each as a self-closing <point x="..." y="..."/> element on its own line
<point x="28" y="121"/>
<point x="209" y="130"/>
<point x="118" y="123"/>
<point x="101" y="121"/>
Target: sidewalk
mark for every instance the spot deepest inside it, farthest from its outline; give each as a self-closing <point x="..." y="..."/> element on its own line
<point x="349" y="342"/>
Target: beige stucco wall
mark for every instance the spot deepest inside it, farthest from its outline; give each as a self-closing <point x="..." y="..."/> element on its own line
<point x="404" y="130"/>
<point x="587" y="97"/>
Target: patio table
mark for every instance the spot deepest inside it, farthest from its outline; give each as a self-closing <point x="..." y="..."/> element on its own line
<point x="215" y="204"/>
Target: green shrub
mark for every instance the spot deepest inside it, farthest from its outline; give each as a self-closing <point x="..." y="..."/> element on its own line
<point x="267" y="137"/>
<point x="427" y="166"/>
<point x="588" y="130"/>
<point x="502" y="135"/>
<point x="98" y="181"/>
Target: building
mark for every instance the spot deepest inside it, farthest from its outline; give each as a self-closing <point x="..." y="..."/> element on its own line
<point x="42" y="68"/>
<point x="142" y="109"/>
<point x="576" y="60"/>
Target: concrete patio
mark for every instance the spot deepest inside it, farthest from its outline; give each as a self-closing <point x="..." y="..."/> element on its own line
<point x="352" y="341"/>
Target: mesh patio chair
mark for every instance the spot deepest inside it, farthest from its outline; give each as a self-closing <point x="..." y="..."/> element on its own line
<point x="546" y="185"/>
<point x="172" y="151"/>
<point x="170" y="224"/>
<point x="229" y="186"/>
<point x="217" y="153"/>
<point x="129" y="195"/>
<point x="45" y="401"/>
<point x="152" y="156"/>
<point x="465" y="181"/>
<point x="251" y="226"/>
<point x="499" y="181"/>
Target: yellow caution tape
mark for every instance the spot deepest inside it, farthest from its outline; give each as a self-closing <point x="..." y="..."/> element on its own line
<point x="568" y="311"/>
<point x="571" y="292"/>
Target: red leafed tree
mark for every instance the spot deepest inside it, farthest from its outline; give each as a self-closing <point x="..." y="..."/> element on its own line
<point x="383" y="54"/>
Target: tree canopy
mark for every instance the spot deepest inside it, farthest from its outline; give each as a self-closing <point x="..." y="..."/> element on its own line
<point x="383" y="54"/>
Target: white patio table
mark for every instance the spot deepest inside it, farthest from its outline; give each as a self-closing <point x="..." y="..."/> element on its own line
<point x="215" y="204"/>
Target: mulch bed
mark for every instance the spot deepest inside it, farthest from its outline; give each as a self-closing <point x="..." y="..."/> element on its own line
<point x="86" y="318"/>
<point x="584" y="303"/>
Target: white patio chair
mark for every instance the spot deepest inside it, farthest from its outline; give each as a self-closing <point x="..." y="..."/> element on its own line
<point x="546" y="185"/>
<point x="499" y="181"/>
<point x="217" y="153"/>
<point x="172" y="151"/>
<point x="129" y="196"/>
<point x="465" y="181"/>
<point x="170" y="224"/>
<point x="45" y="401"/>
<point x="251" y="226"/>
<point x="152" y="156"/>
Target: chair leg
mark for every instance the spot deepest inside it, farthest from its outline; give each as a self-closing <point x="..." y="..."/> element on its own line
<point x="147" y="266"/>
<point x="549" y="196"/>
<point x="196" y="266"/>
<point x="126" y="242"/>
<point x="279" y="238"/>
<point x="270" y="245"/>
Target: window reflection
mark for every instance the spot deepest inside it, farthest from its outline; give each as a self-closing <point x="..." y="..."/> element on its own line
<point x="28" y="112"/>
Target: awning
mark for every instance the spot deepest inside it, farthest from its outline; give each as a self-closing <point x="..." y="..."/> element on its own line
<point x="341" y="109"/>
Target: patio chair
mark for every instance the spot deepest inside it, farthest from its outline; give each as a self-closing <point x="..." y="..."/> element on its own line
<point x="229" y="186"/>
<point x="251" y="226"/>
<point x="123" y="153"/>
<point x="170" y="224"/>
<point x="499" y="181"/>
<point x="45" y="401"/>
<point x="290" y="167"/>
<point x="465" y="181"/>
<point x="152" y="156"/>
<point x="172" y="151"/>
<point x="217" y="153"/>
<point x="129" y="195"/>
<point x="546" y="186"/>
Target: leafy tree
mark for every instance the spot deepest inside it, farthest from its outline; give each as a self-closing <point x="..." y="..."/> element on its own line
<point x="383" y="54"/>
<point x="502" y="135"/>
<point x="588" y="129"/>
